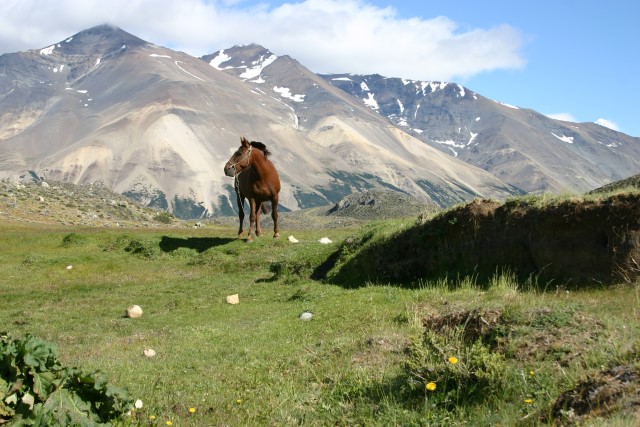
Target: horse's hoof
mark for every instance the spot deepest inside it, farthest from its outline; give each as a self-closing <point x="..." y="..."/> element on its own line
<point x="275" y="236"/>
<point x="249" y="240"/>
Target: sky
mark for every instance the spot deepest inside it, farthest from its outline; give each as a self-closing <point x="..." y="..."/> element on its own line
<point x="575" y="60"/>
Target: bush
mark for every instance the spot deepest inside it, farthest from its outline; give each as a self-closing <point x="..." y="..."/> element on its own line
<point x="36" y="390"/>
<point x="143" y="249"/>
<point x="72" y="239"/>
<point x="164" y="217"/>
<point x="450" y="372"/>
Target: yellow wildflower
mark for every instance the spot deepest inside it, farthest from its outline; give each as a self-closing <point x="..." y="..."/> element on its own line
<point x="152" y="417"/>
<point x="431" y="386"/>
<point x="169" y="423"/>
<point x="453" y="360"/>
<point x="192" y="410"/>
<point x="528" y="401"/>
<point x="239" y="401"/>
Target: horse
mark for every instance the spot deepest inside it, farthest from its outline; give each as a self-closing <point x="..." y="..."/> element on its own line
<point x="255" y="178"/>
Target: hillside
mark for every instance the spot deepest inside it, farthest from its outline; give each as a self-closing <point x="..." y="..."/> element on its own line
<point x="564" y="241"/>
<point x="91" y="205"/>
<point x="159" y="125"/>
<point x="520" y="146"/>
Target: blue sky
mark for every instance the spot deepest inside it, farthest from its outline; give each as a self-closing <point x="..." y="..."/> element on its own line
<point x="572" y="59"/>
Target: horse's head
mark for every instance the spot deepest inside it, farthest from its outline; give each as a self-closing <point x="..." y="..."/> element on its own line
<point x="240" y="160"/>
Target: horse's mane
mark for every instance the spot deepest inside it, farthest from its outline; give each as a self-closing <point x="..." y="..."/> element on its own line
<point x="260" y="146"/>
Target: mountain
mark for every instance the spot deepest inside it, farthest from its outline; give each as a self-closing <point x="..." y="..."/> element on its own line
<point x="520" y="146"/>
<point x="158" y="125"/>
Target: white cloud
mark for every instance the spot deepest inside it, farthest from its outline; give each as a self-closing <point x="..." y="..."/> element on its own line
<point x="607" y="123"/>
<point x="325" y="35"/>
<point x="565" y="117"/>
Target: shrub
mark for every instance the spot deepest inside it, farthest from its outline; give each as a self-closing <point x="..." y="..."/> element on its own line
<point x="143" y="249"/>
<point x="35" y="389"/>
<point x="164" y="217"/>
<point x="72" y="239"/>
<point x="448" y="371"/>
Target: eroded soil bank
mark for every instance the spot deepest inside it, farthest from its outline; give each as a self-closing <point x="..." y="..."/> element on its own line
<point x="569" y="242"/>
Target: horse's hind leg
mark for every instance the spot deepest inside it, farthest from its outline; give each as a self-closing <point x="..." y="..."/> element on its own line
<point x="252" y="219"/>
<point x="258" y="226"/>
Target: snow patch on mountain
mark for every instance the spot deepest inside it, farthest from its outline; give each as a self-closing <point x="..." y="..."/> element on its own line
<point x="191" y="74"/>
<point x="258" y="66"/>
<point x="451" y="143"/>
<point x="371" y="102"/>
<point x="563" y="138"/>
<point x="507" y="105"/>
<point x="219" y="59"/>
<point x="47" y="50"/>
<point x="285" y="92"/>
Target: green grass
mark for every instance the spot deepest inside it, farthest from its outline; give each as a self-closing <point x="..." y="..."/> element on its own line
<point x="257" y="363"/>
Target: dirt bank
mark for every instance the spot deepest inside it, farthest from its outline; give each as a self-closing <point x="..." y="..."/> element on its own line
<point x="569" y="242"/>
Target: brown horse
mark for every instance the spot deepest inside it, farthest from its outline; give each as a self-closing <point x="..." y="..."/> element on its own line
<point x="256" y="179"/>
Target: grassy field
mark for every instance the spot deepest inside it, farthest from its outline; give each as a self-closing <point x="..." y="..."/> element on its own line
<point x="362" y="359"/>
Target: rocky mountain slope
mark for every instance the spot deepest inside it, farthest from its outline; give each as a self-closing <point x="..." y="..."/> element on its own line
<point x="520" y="146"/>
<point x="158" y="125"/>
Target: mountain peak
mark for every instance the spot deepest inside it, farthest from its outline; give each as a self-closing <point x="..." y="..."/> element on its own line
<point x="100" y="39"/>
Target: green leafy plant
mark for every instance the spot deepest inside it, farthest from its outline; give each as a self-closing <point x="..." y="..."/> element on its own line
<point x="72" y="239"/>
<point x="451" y="372"/>
<point x="164" y="217"/>
<point x="35" y="389"/>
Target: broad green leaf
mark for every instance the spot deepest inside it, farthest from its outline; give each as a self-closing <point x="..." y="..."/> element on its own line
<point x="43" y="384"/>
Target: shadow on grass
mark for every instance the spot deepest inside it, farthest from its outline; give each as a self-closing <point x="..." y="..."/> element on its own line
<point x="200" y="244"/>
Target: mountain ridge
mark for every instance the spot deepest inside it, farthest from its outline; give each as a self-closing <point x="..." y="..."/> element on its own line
<point x="508" y="141"/>
<point x="158" y="125"/>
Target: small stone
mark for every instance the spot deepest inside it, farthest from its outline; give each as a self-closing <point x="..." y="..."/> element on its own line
<point x="293" y="239"/>
<point x="306" y="315"/>
<point x="325" y="240"/>
<point x="134" y="311"/>
<point x="233" y="299"/>
<point x="69" y="267"/>
<point x="149" y="352"/>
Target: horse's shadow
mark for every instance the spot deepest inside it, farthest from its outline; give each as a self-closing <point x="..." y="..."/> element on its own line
<point x="200" y="244"/>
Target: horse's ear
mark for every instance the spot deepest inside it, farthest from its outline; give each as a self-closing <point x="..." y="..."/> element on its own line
<point x="244" y="141"/>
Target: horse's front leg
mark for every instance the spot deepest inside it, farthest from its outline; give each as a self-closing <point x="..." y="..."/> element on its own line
<point x="274" y="216"/>
<point x="240" y="215"/>
<point x="252" y="219"/>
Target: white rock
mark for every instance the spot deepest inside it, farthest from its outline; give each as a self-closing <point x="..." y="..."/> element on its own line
<point x="134" y="311"/>
<point x="138" y="404"/>
<point x="306" y="315"/>
<point x="293" y="239"/>
<point x="149" y="352"/>
<point x="69" y="267"/>
<point x="325" y="240"/>
<point x="233" y="299"/>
